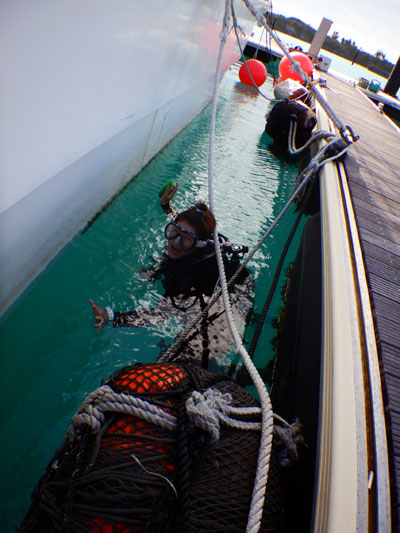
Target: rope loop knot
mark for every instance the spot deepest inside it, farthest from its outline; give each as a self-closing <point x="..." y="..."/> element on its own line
<point x="104" y="399"/>
<point x="209" y="409"/>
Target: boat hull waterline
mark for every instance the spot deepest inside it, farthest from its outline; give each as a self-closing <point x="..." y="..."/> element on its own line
<point x="91" y="93"/>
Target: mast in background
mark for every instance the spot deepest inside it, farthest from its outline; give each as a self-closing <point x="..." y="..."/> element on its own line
<point x="319" y="39"/>
<point x="393" y="82"/>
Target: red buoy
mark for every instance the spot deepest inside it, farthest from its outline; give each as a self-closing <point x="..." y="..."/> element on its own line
<point x="257" y="71"/>
<point x="286" y="69"/>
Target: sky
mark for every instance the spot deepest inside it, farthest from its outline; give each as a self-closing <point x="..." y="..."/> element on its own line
<point x="372" y="28"/>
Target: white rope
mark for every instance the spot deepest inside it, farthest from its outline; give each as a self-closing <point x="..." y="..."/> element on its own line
<point x="207" y="410"/>
<point x="262" y="22"/>
<point x="235" y="26"/>
<point x="317" y="136"/>
<point x="304" y="177"/>
<point x="343" y="129"/>
<point x="104" y="399"/>
<point x="258" y="496"/>
<point x="261" y="478"/>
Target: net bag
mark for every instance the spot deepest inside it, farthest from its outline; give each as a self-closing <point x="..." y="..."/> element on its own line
<point x="136" y="459"/>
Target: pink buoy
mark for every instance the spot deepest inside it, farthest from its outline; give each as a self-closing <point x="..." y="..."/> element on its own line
<point x="257" y="70"/>
<point x="286" y="70"/>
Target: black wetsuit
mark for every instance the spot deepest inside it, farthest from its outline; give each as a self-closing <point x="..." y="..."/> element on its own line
<point x="189" y="284"/>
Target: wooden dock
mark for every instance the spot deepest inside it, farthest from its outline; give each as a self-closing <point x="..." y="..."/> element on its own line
<point x="373" y="175"/>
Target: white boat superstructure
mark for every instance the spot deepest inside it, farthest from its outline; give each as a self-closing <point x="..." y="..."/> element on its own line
<point x="91" y="91"/>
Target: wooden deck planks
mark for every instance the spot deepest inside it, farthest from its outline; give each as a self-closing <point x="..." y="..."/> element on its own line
<point x="390" y="259"/>
<point x="375" y="214"/>
<point x="373" y="172"/>
<point x="382" y="271"/>
<point x="390" y="307"/>
<point x="386" y="229"/>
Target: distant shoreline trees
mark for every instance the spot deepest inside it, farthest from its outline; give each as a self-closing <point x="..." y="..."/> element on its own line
<point x="345" y="48"/>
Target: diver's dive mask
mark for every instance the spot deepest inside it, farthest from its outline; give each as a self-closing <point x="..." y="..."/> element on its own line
<point x="185" y="239"/>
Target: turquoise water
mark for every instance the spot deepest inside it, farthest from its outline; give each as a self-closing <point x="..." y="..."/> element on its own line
<point x="52" y="356"/>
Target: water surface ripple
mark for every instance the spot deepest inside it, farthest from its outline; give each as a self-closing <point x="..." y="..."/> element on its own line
<point x="51" y="355"/>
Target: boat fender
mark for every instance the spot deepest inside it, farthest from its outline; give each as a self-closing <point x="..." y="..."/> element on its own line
<point x="130" y="473"/>
<point x="278" y="122"/>
<point x="253" y="73"/>
<point x="286" y="69"/>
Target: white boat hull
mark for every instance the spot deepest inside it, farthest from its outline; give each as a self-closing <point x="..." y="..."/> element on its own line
<point x="92" y="91"/>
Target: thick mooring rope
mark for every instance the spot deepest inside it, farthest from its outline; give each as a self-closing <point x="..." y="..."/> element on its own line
<point x="317" y="136"/>
<point x="345" y="131"/>
<point x="258" y="497"/>
<point x="104" y="399"/>
<point x="261" y="478"/>
<point x="235" y="27"/>
<point x="207" y="410"/>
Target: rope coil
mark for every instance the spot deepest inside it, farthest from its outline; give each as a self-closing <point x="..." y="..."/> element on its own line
<point x="317" y="136"/>
<point x="207" y="410"/>
<point x="104" y="399"/>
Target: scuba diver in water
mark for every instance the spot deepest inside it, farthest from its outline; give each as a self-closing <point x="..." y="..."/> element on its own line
<point x="190" y="275"/>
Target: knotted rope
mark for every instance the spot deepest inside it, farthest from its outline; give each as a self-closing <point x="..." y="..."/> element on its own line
<point x="261" y="478"/>
<point x="104" y="399"/>
<point x="207" y="410"/>
<point x="290" y="436"/>
<point x="345" y="131"/>
<point x="258" y="497"/>
<point x="315" y="137"/>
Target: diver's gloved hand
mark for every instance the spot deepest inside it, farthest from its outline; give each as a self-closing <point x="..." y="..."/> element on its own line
<point x="168" y="194"/>
<point x="101" y="316"/>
